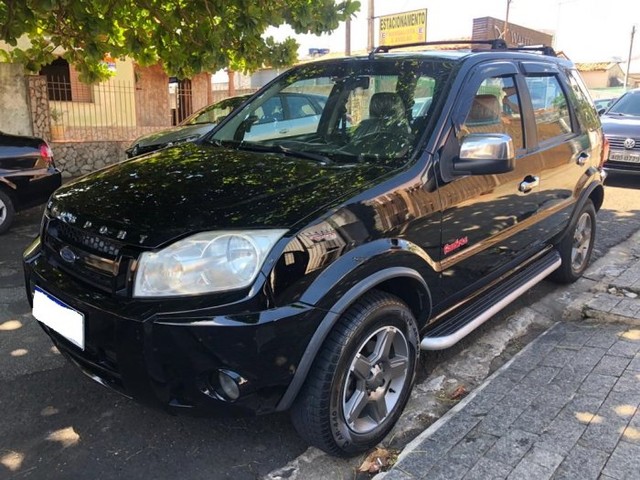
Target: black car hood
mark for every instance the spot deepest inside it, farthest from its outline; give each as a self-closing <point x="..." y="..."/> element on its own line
<point x="153" y="199"/>
<point x="621" y="126"/>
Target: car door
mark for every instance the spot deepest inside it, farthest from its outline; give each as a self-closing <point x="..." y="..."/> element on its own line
<point x="485" y="217"/>
<point x="564" y="148"/>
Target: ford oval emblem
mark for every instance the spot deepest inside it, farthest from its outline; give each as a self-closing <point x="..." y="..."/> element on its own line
<point x="68" y="255"/>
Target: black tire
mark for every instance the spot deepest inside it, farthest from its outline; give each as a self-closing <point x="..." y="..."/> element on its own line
<point x="355" y="349"/>
<point x="7" y="212"/>
<point x="576" y="246"/>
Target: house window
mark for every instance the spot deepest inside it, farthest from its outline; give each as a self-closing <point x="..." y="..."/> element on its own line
<point x="63" y="83"/>
<point x="58" y="80"/>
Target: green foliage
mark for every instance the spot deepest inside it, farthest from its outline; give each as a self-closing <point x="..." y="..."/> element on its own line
<point x="185" y="36"/>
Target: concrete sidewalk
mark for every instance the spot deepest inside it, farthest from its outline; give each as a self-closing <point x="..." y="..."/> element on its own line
<point x="567" y="406"/>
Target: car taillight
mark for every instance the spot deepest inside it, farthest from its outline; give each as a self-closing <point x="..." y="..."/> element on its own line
<point x="605" y="151"/>
<point x="46" y="153"/>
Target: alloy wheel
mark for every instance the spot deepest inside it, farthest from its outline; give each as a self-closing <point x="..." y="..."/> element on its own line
<point x="375" y="380"/>
<point x="581" y="242"/>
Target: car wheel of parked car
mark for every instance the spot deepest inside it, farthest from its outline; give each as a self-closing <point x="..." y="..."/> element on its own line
<point x="576" y="247"/>
<point x="361" y="378"/>
<point x="6" y="212"/>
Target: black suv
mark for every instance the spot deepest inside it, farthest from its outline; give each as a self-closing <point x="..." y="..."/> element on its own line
<point x="307" y="271"/>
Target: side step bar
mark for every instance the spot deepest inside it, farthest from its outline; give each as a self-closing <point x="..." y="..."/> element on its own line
<point x="451" y="330"/>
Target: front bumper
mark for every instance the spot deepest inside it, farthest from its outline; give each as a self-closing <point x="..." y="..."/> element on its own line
<point x="622" y="167"/>
<point x="162" y="356"/>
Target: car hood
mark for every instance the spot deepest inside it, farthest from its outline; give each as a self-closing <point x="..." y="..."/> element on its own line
<point x="154" y="199"/>
<point x="621" y="126"/>
<point x="173" y="135"/>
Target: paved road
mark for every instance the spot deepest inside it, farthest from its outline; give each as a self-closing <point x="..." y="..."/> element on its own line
<point x="54" y="423"/>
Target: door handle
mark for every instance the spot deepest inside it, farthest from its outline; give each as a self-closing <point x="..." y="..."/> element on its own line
<point x="582" y="158"/>
<point x="528" y="183"/>
<point x="284" y="130"/>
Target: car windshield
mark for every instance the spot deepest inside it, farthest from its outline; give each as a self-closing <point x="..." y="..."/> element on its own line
<point x="343" y="111"/>
<point x="214" y="113"/>
<point x="628" y="104"/>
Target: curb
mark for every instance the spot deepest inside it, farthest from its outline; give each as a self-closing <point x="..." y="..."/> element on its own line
<point x="411" y="446"/>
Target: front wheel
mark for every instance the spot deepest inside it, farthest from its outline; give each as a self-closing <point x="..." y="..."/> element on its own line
<point x="361" y="379"/>
<point x="576" y="247"/>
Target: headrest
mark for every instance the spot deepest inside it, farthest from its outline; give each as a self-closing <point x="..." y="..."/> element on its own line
<point x="386" y="105"/>
<point x="485" y="109"/>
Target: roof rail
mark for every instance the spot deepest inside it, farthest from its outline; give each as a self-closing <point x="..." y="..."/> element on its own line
<point x="496" y="44"/>
<point x="544" y="49"/>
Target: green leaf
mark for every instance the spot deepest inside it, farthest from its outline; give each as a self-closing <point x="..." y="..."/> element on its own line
<point x="186" y="36"/>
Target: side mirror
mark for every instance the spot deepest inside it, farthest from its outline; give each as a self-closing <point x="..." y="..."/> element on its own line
<point x="601" y="111"/>
<point x="244" y="127"/>
<point x="485" y="154"/>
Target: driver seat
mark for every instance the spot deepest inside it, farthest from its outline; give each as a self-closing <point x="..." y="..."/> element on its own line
<point x="386" y="114"/>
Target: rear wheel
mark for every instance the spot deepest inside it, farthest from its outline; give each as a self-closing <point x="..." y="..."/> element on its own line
<point x="576" y="247"/>
<point x="6" y="212"/>
<point x="361" y="378"/>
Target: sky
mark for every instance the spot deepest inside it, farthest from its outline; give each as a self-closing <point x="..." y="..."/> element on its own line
<point x="586" y="30"/>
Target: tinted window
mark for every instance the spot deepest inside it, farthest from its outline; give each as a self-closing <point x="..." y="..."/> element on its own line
<point x="346" y="111"/>
<point x="496" y="109"/>
<point x="300" y="106"/>
<point x="587" y="116"/>
<point x="549" y="107"/>
<point x="270" y="111"/>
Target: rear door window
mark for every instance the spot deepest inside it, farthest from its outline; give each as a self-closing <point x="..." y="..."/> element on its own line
<point x="550" y="107"/>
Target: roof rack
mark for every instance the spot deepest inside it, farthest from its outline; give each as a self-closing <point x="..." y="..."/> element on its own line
<point x="496" y="44"/>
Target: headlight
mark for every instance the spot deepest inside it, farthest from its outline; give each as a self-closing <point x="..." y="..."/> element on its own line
<point x="204" y="263"/>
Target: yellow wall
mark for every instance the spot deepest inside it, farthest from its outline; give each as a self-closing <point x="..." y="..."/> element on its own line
<point x="113" y="102"/>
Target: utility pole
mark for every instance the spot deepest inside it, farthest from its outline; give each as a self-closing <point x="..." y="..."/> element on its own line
<point x="347" y="40"/>
<point x="370" y="28"/>
<point x="626" y="74"/>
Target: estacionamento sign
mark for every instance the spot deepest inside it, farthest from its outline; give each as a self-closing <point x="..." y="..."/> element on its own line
<point x="403" y="28"/>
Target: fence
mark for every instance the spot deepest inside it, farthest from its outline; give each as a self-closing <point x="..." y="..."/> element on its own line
<point x="107" y="111"/>
<point x="99" y="112"/>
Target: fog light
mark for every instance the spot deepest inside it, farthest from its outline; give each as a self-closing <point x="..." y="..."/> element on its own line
<point x="229" y="388"/>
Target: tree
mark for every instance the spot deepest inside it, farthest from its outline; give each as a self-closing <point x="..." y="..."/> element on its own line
<point x="185" y="36"/>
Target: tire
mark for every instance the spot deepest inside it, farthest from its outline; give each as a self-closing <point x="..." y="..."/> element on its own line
<point x="7" y="212"/>
<point x="576" y="247"/>
<point x="352" y="398"/>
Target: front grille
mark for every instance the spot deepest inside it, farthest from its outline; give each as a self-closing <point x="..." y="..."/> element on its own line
<point x="99" y="261"/>
<point x="77" y="236"/>
<point x="617" y="143"/>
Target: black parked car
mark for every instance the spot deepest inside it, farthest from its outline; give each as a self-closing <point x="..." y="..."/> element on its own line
<point x="306" y="271"/>
<point x="621" y="125"/>
<point x="28" y="175"/>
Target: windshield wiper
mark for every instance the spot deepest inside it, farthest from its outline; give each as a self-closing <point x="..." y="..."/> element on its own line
<point x="256" y="147"/>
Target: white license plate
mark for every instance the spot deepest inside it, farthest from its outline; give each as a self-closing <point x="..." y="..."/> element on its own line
<point x="59" y="317"/>
<point x="625" y="157"/>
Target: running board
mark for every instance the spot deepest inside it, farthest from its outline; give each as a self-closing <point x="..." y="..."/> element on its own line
<point x="450" y="331"/>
